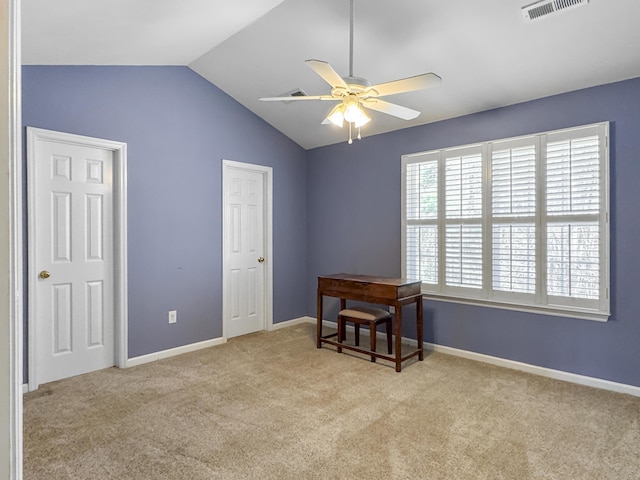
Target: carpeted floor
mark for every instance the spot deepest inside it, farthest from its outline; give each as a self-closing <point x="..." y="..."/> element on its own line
<point x="272" y="406"/>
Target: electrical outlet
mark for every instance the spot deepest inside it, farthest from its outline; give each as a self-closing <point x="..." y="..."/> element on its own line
<point x="392" y="309"/>
<point x="173" y="316"/>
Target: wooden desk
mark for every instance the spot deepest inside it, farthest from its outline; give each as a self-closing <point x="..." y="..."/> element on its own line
<point x="396" y="292"/>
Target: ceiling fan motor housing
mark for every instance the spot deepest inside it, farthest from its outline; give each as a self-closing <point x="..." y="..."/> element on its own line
<point x="355" y="86"/>
<point x="357" y="82"/>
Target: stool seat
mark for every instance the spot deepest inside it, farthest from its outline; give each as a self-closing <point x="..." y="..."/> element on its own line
<point x="364" y="315"/>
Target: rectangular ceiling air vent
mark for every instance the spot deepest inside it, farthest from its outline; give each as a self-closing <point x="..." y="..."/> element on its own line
<point x="544" y="8"/>
<point x="298" y="93"/>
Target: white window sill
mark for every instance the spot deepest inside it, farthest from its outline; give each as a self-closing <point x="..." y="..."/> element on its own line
<point x="543" y="310"/>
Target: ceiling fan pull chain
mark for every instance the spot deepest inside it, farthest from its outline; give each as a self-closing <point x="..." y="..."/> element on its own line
<point x="350" y="139"/>
<point x="359" y="136"/>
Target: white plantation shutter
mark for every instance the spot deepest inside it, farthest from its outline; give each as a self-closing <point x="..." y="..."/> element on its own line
<point x="518" y="223"/>
<point x="573" y="264"/>
<point x="573" y="207"/>
<point x="514" y="258"/>
<point x="513" y="181"/>
<point x="573" y="168"/>
<point x="463" y="186"/>
<point x="421" y="214"/>
<point x="464" y="256"/>
<point x="513" y="208"/>
<point x="463" y="215"/>
<point x="422" y="253"/>
<point x="422" y="190"/>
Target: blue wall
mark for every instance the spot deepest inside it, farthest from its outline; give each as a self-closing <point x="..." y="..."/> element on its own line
<point x="336" y="208"/>
<point x="178" y="128"/>
<point x="354" y="225"/>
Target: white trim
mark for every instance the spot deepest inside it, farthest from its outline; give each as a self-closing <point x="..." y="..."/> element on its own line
<point x="120" y="253"/>
<point x="516" y="307"/>
<point x="292" y="322"/>
<point x="267" y="173"/>
<point x="25" y="388"/>
<point x="513" y="365"/>
<point x="536" y="370"/>
<point x="11" y="459"/>
<point x="119" y="150"/>
<point x="172" y="352"/>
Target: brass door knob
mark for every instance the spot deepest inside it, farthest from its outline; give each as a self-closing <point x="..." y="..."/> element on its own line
<point x="44" y="274"/>
<point x="261" y="259"/>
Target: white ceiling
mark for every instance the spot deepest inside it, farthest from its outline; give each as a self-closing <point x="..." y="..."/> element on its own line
<point x="130" y="32"/>
<point x="486" y="53"/>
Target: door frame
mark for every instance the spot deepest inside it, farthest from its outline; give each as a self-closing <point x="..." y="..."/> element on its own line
<point x="119" y="190"/>
<point x="267" y="192"/>
<point x="11" y="254"/>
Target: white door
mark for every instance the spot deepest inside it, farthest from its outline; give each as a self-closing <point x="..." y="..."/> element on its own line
<point x="73" y="266"/>
<point x="244" y="244"/>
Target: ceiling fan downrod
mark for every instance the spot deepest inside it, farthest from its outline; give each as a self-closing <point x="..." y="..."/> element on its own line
<point x="353" y="8"/>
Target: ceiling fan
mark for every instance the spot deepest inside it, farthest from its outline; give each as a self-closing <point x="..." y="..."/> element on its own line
<point x="354" y="93"/>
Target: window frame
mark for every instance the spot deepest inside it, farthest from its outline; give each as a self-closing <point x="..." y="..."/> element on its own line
<point x="539" y="301"/>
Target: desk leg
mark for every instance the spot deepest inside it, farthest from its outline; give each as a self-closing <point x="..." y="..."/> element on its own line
<point x="319" y="321"/>
<point x="398" y="335"/>
<point x="343" y="333"/>
<point x="419" y="328"/>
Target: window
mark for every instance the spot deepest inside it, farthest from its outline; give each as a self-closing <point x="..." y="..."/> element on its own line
<point x="520" y="223"/>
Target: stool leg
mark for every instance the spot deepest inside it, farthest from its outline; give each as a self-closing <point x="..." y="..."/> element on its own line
<point x="372" y="332"/>
<point x="388" y="323"/>
<point x="357" y="329"/>
<point x="340" y="332"/>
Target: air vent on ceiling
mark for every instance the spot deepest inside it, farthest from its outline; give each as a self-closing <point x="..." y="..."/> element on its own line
<point x="544" y="8"/>
<point x="298" y="93"/>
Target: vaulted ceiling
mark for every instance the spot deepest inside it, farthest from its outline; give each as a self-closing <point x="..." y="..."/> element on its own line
<point x="487" y="54"/>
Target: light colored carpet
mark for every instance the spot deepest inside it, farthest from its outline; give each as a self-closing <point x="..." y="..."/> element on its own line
<point x="272" y="406"/>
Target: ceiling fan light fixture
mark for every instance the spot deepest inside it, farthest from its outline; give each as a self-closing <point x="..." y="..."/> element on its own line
<point x="336" y="116"/>
<point x="362" y="120"/>
<point x="353" y="113"/>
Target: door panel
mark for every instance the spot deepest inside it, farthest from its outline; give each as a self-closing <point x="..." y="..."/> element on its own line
<point x="62" y="319"/>
<point x="74" y="308"/>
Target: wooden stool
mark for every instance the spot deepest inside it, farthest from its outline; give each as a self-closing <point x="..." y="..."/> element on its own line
<point x="364" y="316"/>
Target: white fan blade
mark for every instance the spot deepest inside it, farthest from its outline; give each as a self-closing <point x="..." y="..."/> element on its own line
<point x="302" y="97"/>
<point x="409" y="84"/>
<point x="327" y="73"/>
<point x="390" y="108"/>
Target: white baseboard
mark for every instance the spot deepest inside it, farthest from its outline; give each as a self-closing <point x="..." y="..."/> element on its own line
<point x="172" y="352"/>
<point x="25" y="388"/>
<point x="536" y="370"/>
<point x="291" y="323"/>
<point x="523" y="367"/>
